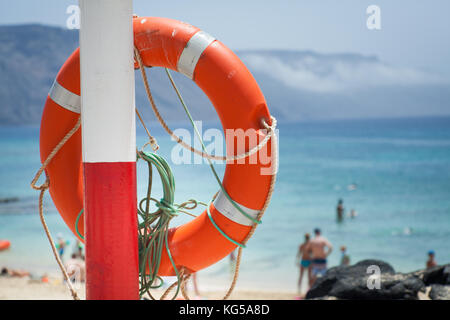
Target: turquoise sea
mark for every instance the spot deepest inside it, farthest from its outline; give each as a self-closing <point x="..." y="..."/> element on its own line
<point x="394" y="173"/>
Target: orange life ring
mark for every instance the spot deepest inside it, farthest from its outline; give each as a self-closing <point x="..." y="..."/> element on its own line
<point x="4" y="244"/>
<point x="239" y="103"/>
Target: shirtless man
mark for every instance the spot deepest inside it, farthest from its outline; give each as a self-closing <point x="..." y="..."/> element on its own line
<point x="319" y="255"/>
<point x="431" y="262"/>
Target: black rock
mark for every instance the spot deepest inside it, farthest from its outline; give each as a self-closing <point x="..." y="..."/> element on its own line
<point x="324" y="285"/>
<point x="354" y="282"/>
<point x="360" y="268"/>
<point x="391" y="287"/>
<point x="437" y="275"/>
<point x="439" y="292"/>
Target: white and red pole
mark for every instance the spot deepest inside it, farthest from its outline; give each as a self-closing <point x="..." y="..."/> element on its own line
<point x="109" y="149"/>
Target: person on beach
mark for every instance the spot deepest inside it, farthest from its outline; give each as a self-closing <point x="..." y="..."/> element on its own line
<point x="431" y="262"/>
<point x="60" y="245"/>
<point x="14" y="273"/>
<point x="340" y="210"/>
<point x="78" y="249"/>
<point x="304" y="255"/>
<point x="319" y="255"/>
<point x="345" y="258"/>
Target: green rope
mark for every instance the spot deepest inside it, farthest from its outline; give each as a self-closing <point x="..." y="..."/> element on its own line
<point x="77" y="222"/>
<point x="154" y="228"/>
<point x="220" y="230"/>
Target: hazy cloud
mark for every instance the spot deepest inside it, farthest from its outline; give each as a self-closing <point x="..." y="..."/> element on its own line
<point x="335" y="73"/>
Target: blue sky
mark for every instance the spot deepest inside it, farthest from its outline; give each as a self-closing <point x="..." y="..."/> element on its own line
<point x="414" y="33"/>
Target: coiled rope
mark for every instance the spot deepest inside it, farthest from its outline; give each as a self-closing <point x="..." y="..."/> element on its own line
<point x="154" y="228"/>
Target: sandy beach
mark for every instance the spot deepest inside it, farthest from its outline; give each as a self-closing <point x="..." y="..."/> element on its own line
<point x="26" y="289"/>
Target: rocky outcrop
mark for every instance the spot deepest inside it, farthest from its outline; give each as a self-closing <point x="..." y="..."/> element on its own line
<point x="437" y="275"/>
<point x="440" y="292"/>
<point x="360" y="282"/>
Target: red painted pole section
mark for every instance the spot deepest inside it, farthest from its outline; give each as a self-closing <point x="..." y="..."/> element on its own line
<point x="111" y="249"/>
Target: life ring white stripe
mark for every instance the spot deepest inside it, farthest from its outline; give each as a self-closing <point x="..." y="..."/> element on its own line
<point x="192" y="52"/>
<point x="65" y="98"/>
<point x="226" y="208"/>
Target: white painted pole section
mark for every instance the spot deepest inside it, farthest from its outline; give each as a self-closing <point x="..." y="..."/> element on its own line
<point x="107" y="81"/>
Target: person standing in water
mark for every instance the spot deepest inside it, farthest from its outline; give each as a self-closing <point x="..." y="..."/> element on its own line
<point x="345" y="258"/>
<point x="319" y="255"/>
<point x="431" y="262"/>
<point x="340" y="210"/>
<point x="304" y="255"/>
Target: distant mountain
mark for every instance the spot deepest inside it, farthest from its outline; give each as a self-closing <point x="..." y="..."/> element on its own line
<point x="30" y="57"/>
<point x="297" y="84"/>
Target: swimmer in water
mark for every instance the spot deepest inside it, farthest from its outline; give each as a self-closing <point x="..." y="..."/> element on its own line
<point x="352" y="187"/>
<point x="345" y="258"/>
<point x="431" y="262"/>
<point x="340" y="210"/>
